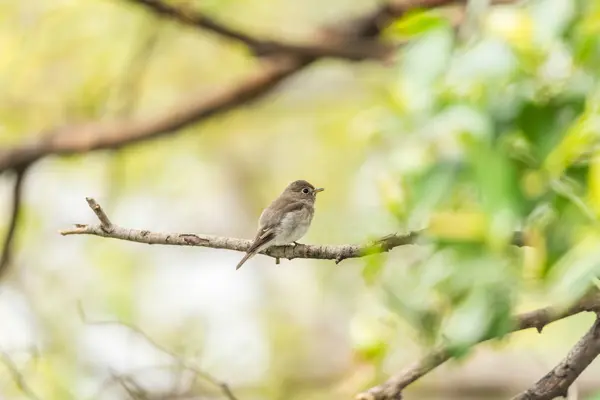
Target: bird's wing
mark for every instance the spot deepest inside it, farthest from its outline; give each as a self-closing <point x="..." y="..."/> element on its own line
<point x="270" y="220"/>
<point x="274" y="214"/>
<point x="268" y="224"/>
<point x="263" y="236"/>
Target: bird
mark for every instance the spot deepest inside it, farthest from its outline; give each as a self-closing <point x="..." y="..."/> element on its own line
<point x="286" y="219"/>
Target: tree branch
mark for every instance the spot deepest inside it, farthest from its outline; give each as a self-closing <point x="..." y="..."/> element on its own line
<point x="538" y="319"/>
<point x="7" y="249"/>
<point x="352" y="49"/>
<point x="556" y="383"/>
<point x="122" y="132"/>
<point x="338" y="253"/>
<point x="223" y="386"/>
<point x="17" y="376"/>
<point x="324" y="252"/>
<point x="112" y="135"/>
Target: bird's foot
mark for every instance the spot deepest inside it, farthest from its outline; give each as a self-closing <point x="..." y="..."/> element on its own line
<point x="296" y="243"/>
<point x="277" y="261"/>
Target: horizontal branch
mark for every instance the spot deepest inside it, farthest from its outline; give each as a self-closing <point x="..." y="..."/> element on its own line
<point x="338" y="253"/>
<point x="556" y="383"/>
<point x="538" y="319"/>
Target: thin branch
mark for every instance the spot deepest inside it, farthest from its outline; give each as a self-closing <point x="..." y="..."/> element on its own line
<point x="354" y="49"/>
<point x="129" y="88"/>
<point x="538" y="319"/>
<point x="323" y="252"/>
<point x="7" y="249"/>
<point x="224" y="387"/>
<point x="105" y="223"/>
<point x="372" y="24"/>
<point x="556" y="383"/>
<point x="327" y="252"/>
<point x="17" y="376"/>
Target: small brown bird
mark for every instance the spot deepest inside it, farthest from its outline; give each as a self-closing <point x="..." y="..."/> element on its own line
<point x="286" y="220"/>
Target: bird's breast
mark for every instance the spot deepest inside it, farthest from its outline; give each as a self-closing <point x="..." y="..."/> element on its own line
<point x="294" y="226"/>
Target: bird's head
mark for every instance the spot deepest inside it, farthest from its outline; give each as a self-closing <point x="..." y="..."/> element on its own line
<point x="302" y="189"/>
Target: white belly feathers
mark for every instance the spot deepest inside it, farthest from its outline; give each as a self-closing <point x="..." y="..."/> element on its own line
<point x="293" y="226"/>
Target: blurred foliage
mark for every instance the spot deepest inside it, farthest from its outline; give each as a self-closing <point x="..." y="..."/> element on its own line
<point x="505" y="124"/>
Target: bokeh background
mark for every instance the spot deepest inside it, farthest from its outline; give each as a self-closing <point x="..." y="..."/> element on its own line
<point x="468" y="129"/>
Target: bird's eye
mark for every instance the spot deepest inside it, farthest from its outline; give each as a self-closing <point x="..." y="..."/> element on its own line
<point x="305" y="190"/>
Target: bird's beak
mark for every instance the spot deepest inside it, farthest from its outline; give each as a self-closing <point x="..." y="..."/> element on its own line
<point x="317" y="190"/>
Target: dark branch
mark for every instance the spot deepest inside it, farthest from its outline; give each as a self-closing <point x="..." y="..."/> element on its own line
<point x="92" y="136"/>
<point x="392" y="388"/>
<point x="7" y="249"/>
<point x="556" y="383"/>
<point x="113" y="135"/>
<point x="354" y="49"/>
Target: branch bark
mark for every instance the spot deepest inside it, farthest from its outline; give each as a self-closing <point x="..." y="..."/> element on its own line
<point x="538" y="319"/>
<point x="556" y="383"/>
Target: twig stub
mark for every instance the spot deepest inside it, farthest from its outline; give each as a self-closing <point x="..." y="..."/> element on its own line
<point x="105" y="223"/>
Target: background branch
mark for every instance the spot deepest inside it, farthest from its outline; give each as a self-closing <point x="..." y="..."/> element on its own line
<point x="17" y="376"/>
<point x="351" y="48"/>
<point x="223" y="387"/>
<point x="556" y="383"/>
<point x="7" y="248"/>
<point x="92" y="136"/>
<point x="538" y="319"/>
<point x="112" y="135"/>
<point x="129" y="88"/>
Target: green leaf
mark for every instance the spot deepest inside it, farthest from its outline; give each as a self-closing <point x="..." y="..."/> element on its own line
<point x="545" y="124"/>
<point x="469" y="321"/>
<point x="418" y="314"/>
<point x="422" y="65"/>
<point x="414" y="23"/>
<point x="373" y="266"/>
<point x="431" y="188"/>
<point x="551" y="18"/>
<point x="499" y="188"/>
<point x="572" y="275"/>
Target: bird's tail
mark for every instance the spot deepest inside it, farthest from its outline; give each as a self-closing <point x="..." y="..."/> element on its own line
<point x="248" y="256"/>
